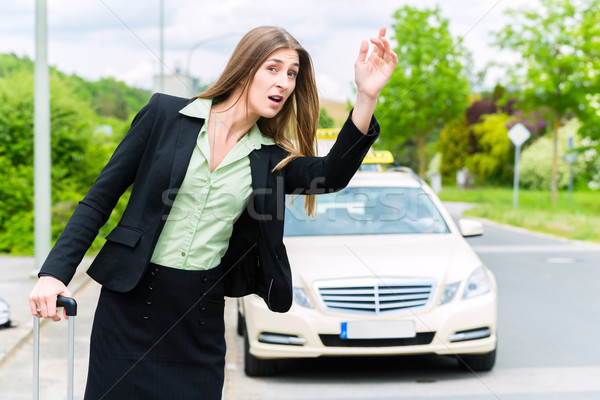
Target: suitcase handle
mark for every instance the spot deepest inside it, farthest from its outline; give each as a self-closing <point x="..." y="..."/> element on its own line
<point x="68" y="303"/>
<point x="70" y="306"/>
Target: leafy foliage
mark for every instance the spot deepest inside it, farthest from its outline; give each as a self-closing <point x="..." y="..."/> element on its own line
<point x="536" y="160"/>
<point x="107" y="97"/>
<point x="10" y="63"/>
<point x="428" y="88"/>
<point x="111" y="98"/>
<point x="79" y="149"/>
<point x="533" y="121"/>
<point x="495" y="153"/>
<point x="558" y="74"/>
<point x="479" y="143"/>
<point x="479" y="108"/>
<point x="453" y="146"/>
<point x="325" y="121"/>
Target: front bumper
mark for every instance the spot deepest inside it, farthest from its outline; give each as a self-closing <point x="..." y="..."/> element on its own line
<point x="459" y="327"/>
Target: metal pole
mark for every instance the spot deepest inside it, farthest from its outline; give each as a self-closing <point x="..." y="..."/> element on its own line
<point x="162" y="46"/>
<point x="570" y="184"/>
<point x="71" y="361"/>
<point x="570" y="147"/>
<point x="41" y="152"/>
<point x="516" y="181"/>
<point x="36" y="358"/>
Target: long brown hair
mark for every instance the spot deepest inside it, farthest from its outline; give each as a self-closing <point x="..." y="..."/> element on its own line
<point x="299" y="117"/>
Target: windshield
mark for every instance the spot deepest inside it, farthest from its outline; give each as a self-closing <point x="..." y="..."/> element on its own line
<point x="366" y="211"/>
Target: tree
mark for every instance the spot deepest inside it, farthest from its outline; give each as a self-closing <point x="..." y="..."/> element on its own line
<point x="558" y="74"/>
<point x="428" y="88"/>
<point x="79" y="149"/>
<point x="478" y="140"/>
<point x="453" y="145"/>
<point x="495" y="151"/>
<point x="107" y="96"/>
<point x="536" y="160"/>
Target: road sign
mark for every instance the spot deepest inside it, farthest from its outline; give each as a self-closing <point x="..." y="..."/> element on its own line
<point x="518" y="134"/>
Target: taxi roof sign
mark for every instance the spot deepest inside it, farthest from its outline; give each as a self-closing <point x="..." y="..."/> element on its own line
<point x="379" y="157"/>
<point x="327" y="133"/>
<point x="373" y="157"/>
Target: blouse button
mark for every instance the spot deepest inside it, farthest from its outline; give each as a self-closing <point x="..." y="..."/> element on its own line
<point x="145" y="315"/>
<point x="183" y="253"/>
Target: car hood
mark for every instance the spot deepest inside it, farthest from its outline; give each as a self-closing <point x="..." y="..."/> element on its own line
<point x="444" y="257"/>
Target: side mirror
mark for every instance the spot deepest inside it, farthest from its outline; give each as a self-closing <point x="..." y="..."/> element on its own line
<point x="470" y="227"/>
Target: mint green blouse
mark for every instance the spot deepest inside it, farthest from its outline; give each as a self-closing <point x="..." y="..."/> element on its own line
<point x="197" y="231"/>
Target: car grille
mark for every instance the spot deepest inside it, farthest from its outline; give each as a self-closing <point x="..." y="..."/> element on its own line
<point x="375" y="296"/>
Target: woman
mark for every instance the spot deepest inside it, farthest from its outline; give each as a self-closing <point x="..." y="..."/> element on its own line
<point x="205" y="215"/>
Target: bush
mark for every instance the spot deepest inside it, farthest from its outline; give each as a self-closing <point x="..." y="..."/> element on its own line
<point x="536" y="160"/>
<point x="493" y="160"/>
<point x="78" y="151"/>
<point x="453" y="147"/>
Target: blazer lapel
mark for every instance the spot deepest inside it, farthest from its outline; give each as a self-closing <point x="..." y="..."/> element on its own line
<point x="259" y="163"/>
<point x="189" y="128"/>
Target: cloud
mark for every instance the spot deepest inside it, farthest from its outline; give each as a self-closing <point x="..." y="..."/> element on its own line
<point x="93" y="38"/>
<point x="138" y="75"/>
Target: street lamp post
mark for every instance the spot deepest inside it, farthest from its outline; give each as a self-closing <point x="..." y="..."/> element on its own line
<point x="162" y="47"/>
<point x="41" y="150"/>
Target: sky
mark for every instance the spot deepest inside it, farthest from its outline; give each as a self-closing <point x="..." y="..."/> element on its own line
<point x="99" y="38"/>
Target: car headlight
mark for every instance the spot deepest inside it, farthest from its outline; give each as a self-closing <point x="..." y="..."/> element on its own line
<point x="301" y="298"/>
<point x="477" y="284"/>
<point x="449" y="292"/>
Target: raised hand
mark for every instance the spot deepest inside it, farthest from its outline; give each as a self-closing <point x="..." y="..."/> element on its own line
<point x="371" y="74"/>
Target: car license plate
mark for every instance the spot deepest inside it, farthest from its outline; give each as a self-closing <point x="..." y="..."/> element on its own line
<point x="378" y="329"/>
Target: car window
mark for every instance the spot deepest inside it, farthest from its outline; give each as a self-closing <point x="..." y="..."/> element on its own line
<point x="370" y="167"/>
<point x="366" y="211"/>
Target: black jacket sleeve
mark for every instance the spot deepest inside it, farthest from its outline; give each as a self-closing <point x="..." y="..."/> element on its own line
<point x="93" y="211"/>
<point x="317" y="175"/>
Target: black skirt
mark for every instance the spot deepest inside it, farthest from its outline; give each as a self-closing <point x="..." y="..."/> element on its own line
<point x="163" y="340"/>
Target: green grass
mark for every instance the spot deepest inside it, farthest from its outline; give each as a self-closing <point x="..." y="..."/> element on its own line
<point x="579" y="220"/>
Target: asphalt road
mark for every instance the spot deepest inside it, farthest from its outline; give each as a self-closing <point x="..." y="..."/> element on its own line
<point x="549" y="308"/>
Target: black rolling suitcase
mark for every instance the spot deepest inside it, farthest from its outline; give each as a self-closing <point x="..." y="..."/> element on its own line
<point x="70" y="306"/>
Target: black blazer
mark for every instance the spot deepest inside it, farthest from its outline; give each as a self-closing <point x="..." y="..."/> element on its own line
<point x="154" y="156"/>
